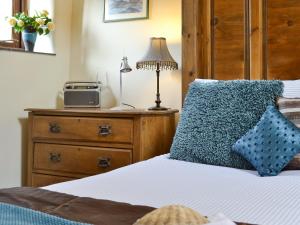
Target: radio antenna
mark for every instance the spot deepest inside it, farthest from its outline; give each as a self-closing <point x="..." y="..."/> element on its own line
<point x="106" y="78"/>
<point x="97" y="77"/>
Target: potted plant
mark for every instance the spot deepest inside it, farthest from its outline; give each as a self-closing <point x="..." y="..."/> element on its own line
<point x="31" y="26"/>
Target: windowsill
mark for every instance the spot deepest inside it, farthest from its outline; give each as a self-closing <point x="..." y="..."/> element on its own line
<point x="22" y="50"/>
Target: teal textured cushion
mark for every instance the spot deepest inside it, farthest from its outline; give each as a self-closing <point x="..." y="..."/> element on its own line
<point x="271" y="144"/>
<point x="15" y="215"/>
<point x="215" y="115"/>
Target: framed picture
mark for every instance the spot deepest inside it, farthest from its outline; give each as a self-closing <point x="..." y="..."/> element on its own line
<point x="124" y="10"/>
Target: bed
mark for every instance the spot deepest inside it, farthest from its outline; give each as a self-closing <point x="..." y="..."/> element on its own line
<point x="126" y="194"/>
<point x="240" y="194"/>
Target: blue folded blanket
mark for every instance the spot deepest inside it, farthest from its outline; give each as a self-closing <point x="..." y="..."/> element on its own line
<point x="14" y="215"/>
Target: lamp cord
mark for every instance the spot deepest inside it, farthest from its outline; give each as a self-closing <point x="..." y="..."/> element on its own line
<point x="128" y="105"/>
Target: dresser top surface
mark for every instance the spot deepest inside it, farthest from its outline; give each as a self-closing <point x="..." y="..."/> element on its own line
<point x="77" y="111"/>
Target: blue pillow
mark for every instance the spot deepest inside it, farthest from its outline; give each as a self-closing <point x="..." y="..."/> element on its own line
<point x="215" y="115"/>
<point x="271" y="144"/>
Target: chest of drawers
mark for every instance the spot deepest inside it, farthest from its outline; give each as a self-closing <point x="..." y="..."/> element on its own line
<point x="70" y="144"/>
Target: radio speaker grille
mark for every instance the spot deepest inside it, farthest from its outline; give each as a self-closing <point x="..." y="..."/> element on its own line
<point x="81" y="99"/>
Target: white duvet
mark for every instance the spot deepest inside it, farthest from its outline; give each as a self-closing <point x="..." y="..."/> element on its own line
<point x="239" y="194"/>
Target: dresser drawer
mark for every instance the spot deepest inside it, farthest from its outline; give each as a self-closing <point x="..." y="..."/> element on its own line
<point x="41" y="180"/>
<point x="83" y="129"/>
<point x="78" y="159"/>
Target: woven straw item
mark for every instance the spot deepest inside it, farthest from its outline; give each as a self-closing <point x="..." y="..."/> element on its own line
<point x="172" y="215"/>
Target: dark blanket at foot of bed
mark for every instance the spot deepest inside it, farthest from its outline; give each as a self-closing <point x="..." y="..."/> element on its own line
<point x="85" y="210"/>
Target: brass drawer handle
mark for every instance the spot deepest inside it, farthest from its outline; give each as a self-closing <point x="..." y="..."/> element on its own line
<point x="104" y="163"/>
<point x="105" y="130"/>
<point x="54" y="128"/>
<point x="55" y="157"/>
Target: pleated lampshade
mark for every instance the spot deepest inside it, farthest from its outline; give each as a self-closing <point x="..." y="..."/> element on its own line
<point x="158" y="54"/>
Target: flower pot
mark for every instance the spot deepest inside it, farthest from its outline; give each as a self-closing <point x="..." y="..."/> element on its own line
<point x="29" y="39"/>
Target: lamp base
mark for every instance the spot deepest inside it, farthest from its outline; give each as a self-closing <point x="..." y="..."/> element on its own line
<point x="155" y="108"/>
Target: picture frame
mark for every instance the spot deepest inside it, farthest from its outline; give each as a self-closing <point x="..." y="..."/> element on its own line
<point x="125" y="10"/>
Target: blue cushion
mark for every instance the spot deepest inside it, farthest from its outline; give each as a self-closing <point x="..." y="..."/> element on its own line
<point x="15" y="215"/>
<point x="215" y="115"/>
<point x="271" y="144"/>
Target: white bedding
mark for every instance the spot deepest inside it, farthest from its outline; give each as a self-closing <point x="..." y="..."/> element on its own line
<point x="239" y="194"/>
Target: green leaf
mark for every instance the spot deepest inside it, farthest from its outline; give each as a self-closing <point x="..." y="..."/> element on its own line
<point x="40" y="31"/>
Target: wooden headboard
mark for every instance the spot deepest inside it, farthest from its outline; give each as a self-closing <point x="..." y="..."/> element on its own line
<point x="240" y="39"/>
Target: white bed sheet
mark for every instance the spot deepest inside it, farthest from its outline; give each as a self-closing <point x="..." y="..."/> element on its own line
<point x="240" y="194"/>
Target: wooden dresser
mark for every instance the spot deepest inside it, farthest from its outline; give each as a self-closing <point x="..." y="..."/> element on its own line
<point x="71" y="144"/>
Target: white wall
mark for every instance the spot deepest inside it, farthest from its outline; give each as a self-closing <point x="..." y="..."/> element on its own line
<point x="99" y="47"/>
<point x="29" y="80"/>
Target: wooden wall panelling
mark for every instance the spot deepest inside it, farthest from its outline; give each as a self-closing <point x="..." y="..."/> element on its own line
<point x="215" y="44"/>
<point x="282" y="33"/>
<point x="205" y="41"/>
<point x="240" y="39"/>
<point x="196" y="32"/>
<point x="190" y="34"/>
<point x="230" y="39"/>
<point x="275" y="28"/>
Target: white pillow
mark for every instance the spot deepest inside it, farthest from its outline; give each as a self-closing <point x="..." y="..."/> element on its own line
<point x="291" y="89"/>
<point x="205" y="80"/>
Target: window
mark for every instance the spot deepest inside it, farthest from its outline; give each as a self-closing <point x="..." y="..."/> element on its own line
<point x="8" y="38"/>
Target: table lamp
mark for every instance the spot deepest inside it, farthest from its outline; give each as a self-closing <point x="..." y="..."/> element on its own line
<point x="125" y="68"/>
<point x="159" y="58"/>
